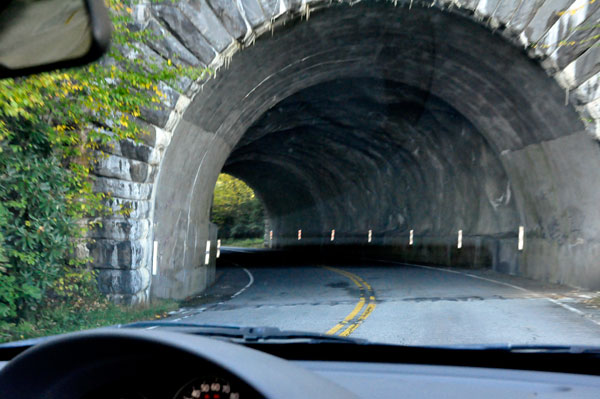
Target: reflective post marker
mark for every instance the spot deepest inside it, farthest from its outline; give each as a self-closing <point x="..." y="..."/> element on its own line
<point x="410" y="237"/>
<point x="299" y="235"/>
<point x="207" y="253"/>
<point x="155" y="258"/>
<point x="218" y="248"/>
<point x="521" y="238"/>
<point x="370" y="236"/>
<point x="332" y="235"/>
<point x="459" y="245"/>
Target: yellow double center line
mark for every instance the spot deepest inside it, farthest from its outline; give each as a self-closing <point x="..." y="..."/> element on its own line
<point x="366" y="304"/>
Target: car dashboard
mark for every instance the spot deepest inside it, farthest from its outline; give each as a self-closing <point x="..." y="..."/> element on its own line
<point x="133" y="364"/>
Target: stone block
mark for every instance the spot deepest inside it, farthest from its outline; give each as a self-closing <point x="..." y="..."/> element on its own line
<point x="121" y="168"/>
<point x="139" y="152"/>
<point x="129" y="209"/>
<point x="582" y="69"/>
<point x="486" y="8"/>
<point x="123" y="282"/>
<point x="169" y="47"/>
<point x="229" y="15"/>
<point x="205" y="20"/>
<point x="254" y="13"/>
<point x="546" y="16"/>
<point x="123" y="189"/>
<point x="524" y="14"/>
<point x="112" y="254"/>
<point x="121" y="229"/>
<point x="505" y="11"/>
<point x="186" y="32"/>
<point x="270" y="7"/>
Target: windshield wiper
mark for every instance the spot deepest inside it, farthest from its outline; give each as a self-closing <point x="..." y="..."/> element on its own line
<point x="244" y="334"/>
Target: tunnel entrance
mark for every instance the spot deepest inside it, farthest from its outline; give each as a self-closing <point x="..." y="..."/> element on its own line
<point x="416" y="131"/>
<point x="238" y="213"/>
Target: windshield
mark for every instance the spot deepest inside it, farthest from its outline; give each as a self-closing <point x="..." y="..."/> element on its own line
<point x="402" y="172"/>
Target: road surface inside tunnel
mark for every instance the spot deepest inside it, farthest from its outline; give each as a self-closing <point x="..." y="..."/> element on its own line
<point x="390" y="303"/>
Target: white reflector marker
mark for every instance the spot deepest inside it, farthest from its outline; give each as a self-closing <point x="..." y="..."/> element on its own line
<point x="410" y="237"/>
<point x="155" y="258"/>
<point x="299" y="235"/>
<point x="370" y="236"/>
<point x="207" y="253"/>
<point x="332" y="235"/>
<point x="218" y="248"/>
<point x="459" y="245"/>
<point x="521" y="238"/>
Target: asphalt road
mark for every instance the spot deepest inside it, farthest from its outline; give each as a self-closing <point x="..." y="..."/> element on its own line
<point x="397" y="304"/>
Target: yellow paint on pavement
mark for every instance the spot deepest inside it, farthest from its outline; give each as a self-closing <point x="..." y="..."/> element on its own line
<point x="351" y="320"/>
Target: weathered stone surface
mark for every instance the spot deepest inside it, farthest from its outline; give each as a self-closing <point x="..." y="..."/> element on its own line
<point x="546" y="16"/>
<point x="229" y="15"/>
<point x="158" y="117"/>
<point x="186" y="32"/>
<point x="123" y="189"/>
<point x="204" y="19"/>
<point x="584" y="34"/>
<point x="487" y="8"/>
<point x="505" y="11"/>
<point x="131" y="150"/>
<point x="588" y="91"/>
<point x="524" y="14"/>
<point x="270" y="7"/>
<point x="469" y="4"/>
<point x="122" y="168"/>
<point x="111" y="254"/>
<point x="129" y="209"/>
<point x="123" y="282"/>
<point x="169" y="47"/>
<point x="582" y="69"/>
<point x="254" y="12"/>
<point x="140" y="152"/>
<point x="122" y="229"/>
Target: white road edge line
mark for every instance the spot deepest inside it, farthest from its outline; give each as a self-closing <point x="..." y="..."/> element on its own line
<point x="554" y="301"/>
<point x="251" y="278"/>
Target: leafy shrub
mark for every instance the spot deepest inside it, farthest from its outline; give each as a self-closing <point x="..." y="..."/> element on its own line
<point x="236" y="209"/>
<point x="52" y="128"/>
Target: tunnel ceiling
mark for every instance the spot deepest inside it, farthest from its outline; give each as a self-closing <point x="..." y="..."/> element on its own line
<point x="364" y="153"/>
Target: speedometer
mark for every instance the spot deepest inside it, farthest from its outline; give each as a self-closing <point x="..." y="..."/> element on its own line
<point x="207" y="388"/>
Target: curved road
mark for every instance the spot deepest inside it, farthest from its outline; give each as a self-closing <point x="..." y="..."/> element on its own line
<point x="390" y="303"/>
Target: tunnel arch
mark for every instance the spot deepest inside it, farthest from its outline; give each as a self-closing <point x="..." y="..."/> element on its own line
<point x="447" y="55"/>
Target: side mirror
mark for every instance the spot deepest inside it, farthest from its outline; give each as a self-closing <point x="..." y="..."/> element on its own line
<point x="43" y="35"/>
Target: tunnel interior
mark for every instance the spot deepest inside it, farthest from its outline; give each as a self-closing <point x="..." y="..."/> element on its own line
<point x="391" y="120"/>
<point x="361" y="154"/>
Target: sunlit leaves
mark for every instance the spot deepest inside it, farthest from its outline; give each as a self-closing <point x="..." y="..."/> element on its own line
<point x="52" y="127"/>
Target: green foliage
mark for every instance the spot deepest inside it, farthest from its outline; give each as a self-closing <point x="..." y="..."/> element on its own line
<point x="236" y="210"/>
<point x="36" y="218"/>
<point x="52" y="128"/>
<point x="61" y="318"/>
<point x="258" y="242"/>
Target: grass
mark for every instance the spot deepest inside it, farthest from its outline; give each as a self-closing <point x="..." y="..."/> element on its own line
<point x="595" y="301"/>
<point x="244" y="242"/>
<point x="63" y="319"/>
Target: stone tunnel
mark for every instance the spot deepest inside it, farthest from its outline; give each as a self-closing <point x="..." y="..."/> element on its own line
<point x="408" y="120"/>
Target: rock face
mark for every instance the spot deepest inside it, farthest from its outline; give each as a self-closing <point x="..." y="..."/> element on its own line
<point x="382" y="116"/>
